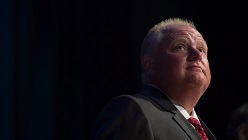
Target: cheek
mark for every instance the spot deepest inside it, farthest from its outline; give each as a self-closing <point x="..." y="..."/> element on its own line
<point x="176" y="63"/>
<point x="207" y="68"/>
<point x="170" y="66"/>
<point x="209" y="75"/>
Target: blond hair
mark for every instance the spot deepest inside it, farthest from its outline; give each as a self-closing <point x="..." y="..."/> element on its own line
<point x="155" y="34"/>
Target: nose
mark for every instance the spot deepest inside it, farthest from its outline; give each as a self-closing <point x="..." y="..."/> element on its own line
<point x="194" y="55"/>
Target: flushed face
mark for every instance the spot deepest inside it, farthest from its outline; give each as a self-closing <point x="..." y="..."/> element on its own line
<point x="181" y="61"/>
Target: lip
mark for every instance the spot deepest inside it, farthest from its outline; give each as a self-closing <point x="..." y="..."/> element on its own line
<point x="194" y="68"/>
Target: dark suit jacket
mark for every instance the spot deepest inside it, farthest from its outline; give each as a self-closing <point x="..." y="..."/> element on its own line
<point x="149" y="115"/>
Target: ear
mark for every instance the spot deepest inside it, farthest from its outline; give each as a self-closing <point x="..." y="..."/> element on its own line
<point x="243" y="131"/>
<point x="147" y="64"/>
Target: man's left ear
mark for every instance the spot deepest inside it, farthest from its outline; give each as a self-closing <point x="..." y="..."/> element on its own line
<point x="147" y="64"/>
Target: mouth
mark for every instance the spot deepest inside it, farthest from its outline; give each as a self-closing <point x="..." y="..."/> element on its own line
<point x="195" y="68"/>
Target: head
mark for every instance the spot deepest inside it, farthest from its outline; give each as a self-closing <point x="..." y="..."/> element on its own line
<point x="238" y="125"/>
<point x="174" y="57"/>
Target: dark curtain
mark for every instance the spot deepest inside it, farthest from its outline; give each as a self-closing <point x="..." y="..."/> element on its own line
<point x="27" y="71"/>
<point x="62" y="61"/>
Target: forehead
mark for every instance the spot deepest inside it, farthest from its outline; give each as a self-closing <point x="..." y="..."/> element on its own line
<point x="175" y="32"/>
<point x="175" y="35"/>
<point x="180" y="33"/>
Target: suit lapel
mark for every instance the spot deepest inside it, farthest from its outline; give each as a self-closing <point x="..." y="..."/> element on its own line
<point x="186" y="126"/>
<point x="161" y="99"/>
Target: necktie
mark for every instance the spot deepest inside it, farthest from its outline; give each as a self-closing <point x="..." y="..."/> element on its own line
<point x="198" y="128"/>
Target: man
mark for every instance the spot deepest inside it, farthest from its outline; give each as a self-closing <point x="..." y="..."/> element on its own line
<point x="175" y="74"/>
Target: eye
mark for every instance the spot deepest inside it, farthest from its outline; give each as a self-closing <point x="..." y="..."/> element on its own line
<point x="179" y="47"/>
<point x="202" y="50"/>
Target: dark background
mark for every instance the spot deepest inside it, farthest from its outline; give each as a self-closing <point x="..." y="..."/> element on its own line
<point x="62" y="61"/>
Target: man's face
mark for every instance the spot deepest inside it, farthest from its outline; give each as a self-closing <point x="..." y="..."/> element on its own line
<point x="181" y="61"/>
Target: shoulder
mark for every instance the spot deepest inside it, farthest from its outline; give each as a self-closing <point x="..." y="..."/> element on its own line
<point x="136" y="99"/>
<point x="122" y="107"/>
<point x="126" y="100"/>
<point x="121" y="113"/>
<point x="137" y="103"/>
